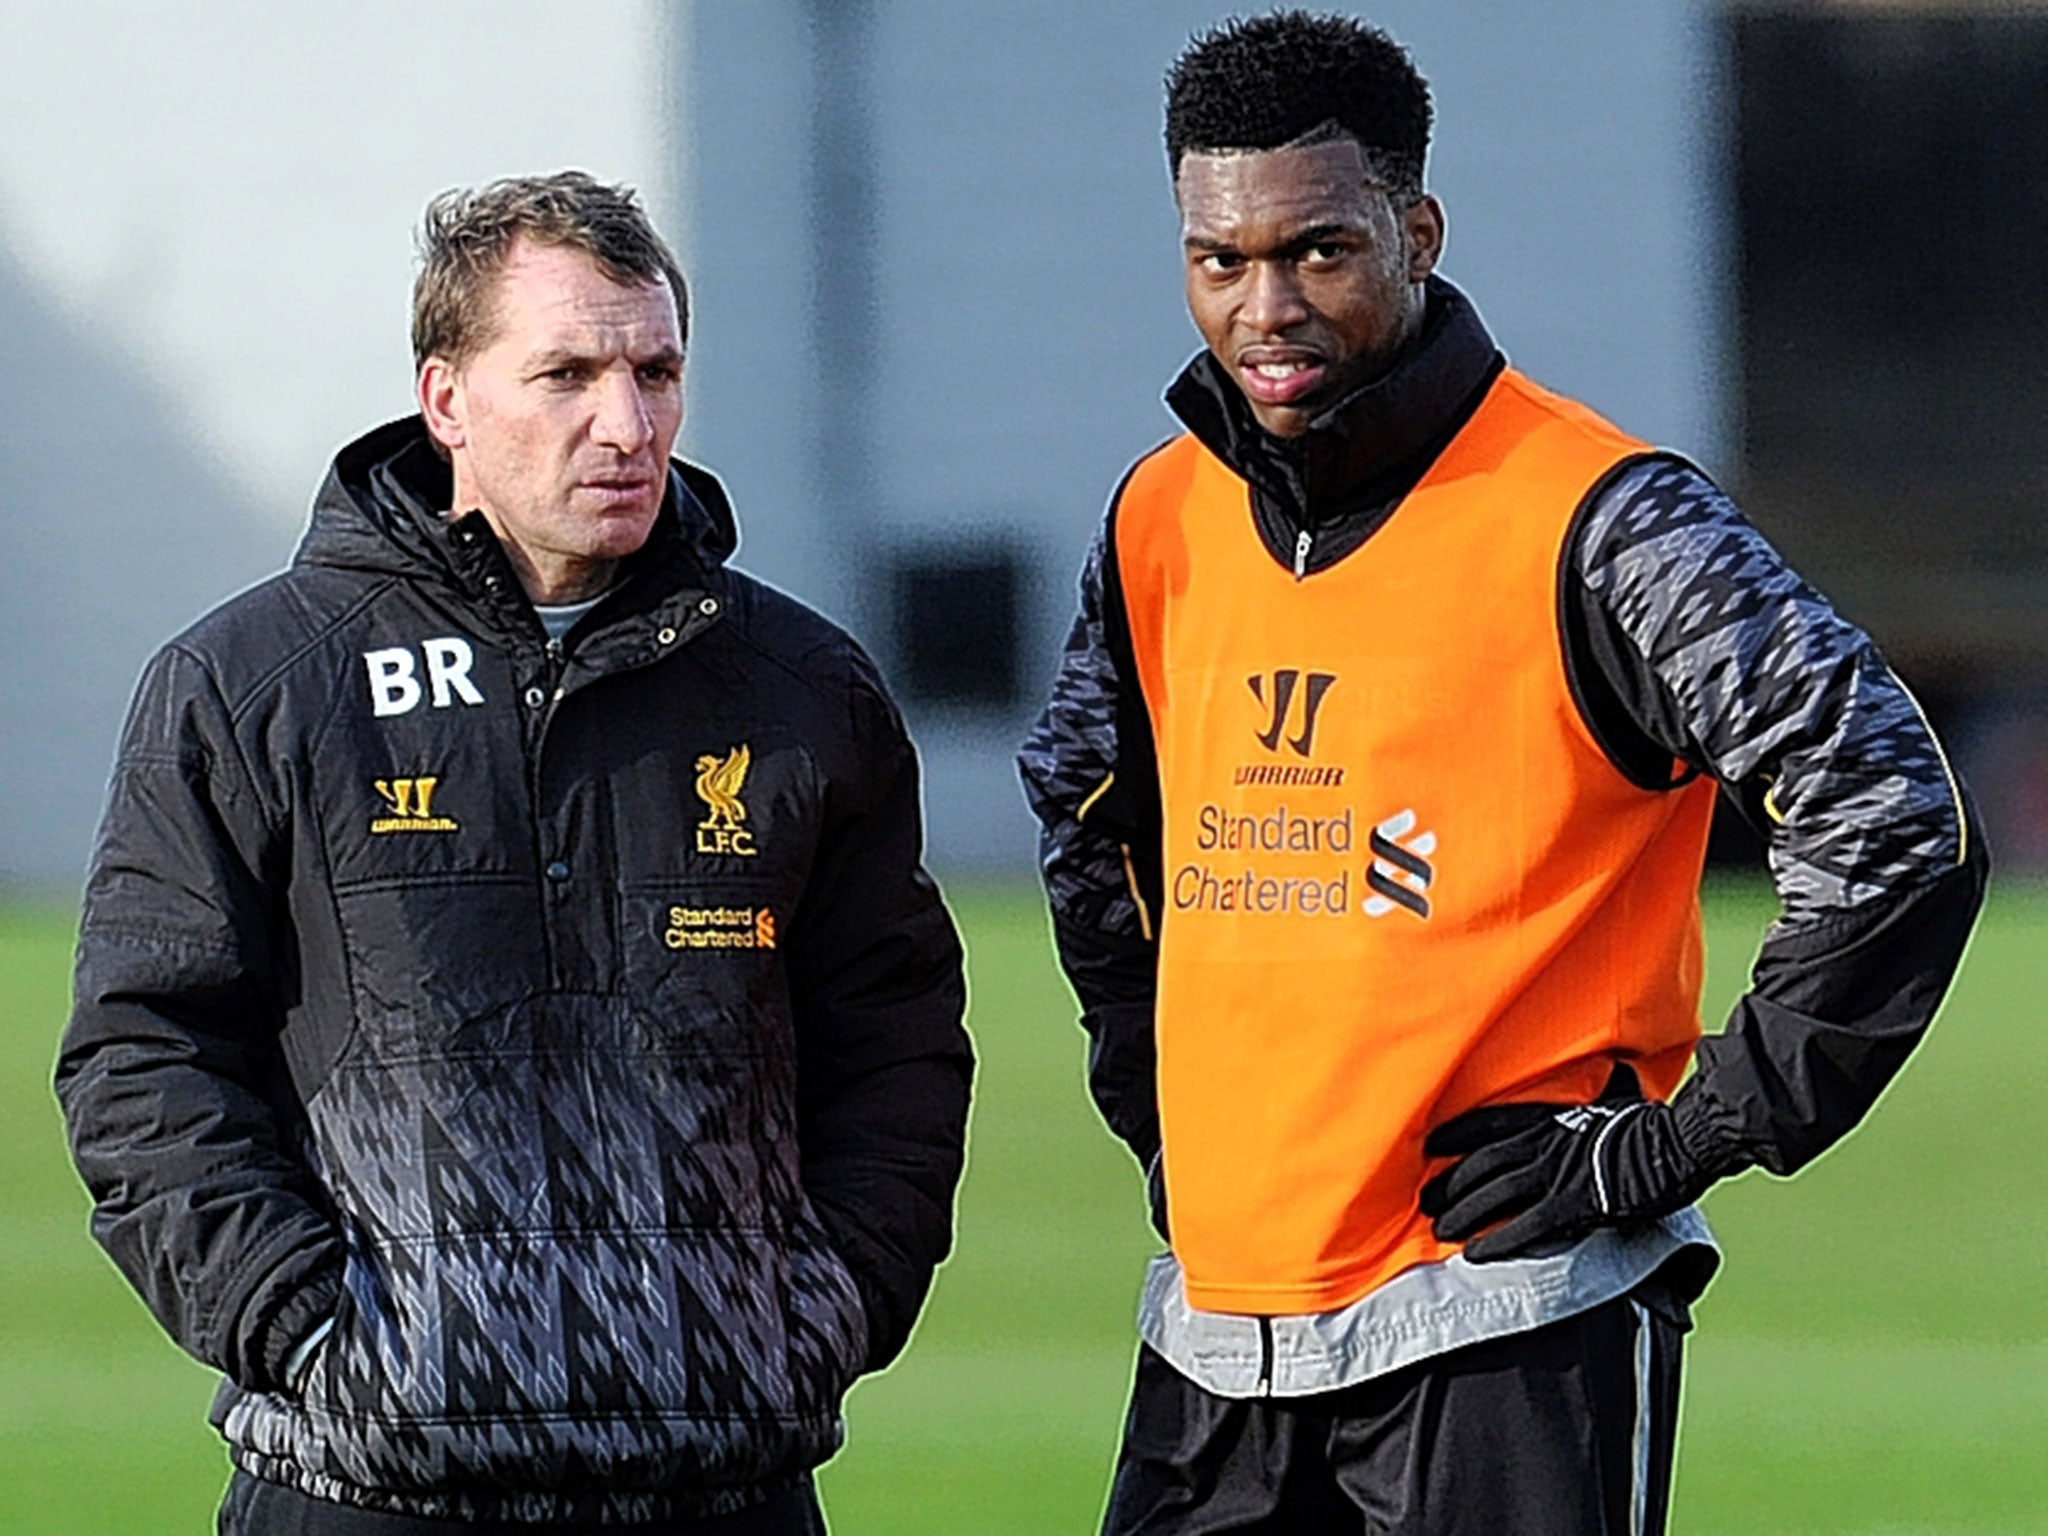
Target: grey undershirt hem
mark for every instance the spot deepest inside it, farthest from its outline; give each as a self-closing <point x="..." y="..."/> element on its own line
<point x="1421" y="1312"/>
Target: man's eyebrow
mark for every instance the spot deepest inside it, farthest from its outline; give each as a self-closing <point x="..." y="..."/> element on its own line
<point x="1316" y="232"/>
<point x="1294" y="240"/>
<point x="558" y="357"/>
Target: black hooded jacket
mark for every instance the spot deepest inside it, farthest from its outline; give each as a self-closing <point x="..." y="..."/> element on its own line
<point x="573" y="1023"/>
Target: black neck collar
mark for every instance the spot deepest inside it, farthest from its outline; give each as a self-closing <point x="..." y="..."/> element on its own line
<point x="1370" y="446"/>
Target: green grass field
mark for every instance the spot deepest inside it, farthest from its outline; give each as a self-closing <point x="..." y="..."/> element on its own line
<point x="1873" y="1359"/>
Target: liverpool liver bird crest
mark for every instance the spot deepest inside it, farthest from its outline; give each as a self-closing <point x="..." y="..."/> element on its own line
<point x="718" y="785"/>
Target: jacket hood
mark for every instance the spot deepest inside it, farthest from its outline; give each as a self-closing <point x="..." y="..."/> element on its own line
<point x="383" y="508"/>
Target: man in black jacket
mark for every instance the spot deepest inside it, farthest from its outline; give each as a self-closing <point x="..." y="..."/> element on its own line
<point x="1509" y="1250"/>
<point x="516" y="1040"/>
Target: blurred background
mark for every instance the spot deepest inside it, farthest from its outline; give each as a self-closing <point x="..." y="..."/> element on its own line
<point x="936" y="297"/>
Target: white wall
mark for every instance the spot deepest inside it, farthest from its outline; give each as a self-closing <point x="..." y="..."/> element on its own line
<point x="205" y="267"/>
<point x="228" y="188"/>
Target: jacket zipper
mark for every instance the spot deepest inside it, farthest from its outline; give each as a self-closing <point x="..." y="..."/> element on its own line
<point x="551" y="685"/>
<point x="551" y="689"/>
<point x="1302" y="541"/>
<point x="1265" y="1388"/>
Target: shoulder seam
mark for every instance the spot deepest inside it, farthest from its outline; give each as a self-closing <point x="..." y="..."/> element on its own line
<point x="1568" y="571"/>
<point x="835" y="642"/>
<point x="236" y="710"/>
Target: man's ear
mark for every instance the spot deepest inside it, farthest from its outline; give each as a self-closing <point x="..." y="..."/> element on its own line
<point x="442" y="406"/>
<point x="1423" y="222"/>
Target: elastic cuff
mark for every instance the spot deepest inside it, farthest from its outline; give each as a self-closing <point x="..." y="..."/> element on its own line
<point x="1710" y="1141"/>
<point x="888" y="1315"/>
<point x="295" y="1363"/>
<point x="298" y="1312"/>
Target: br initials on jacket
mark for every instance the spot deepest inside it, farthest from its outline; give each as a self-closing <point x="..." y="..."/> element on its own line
<point x="395" y="675"/>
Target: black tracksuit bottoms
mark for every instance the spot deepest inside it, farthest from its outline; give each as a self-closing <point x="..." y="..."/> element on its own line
<point x="1565" y="1430"/>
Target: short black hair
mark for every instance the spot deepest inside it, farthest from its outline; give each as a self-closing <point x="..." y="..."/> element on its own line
<point x="1267" y="82"/>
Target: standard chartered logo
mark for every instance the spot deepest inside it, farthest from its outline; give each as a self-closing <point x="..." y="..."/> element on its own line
<point x="1203" y="887"/>
<point x="1284" y="861"/>
<point x="1288" y="861"/>
<point x="1400" y="872"/>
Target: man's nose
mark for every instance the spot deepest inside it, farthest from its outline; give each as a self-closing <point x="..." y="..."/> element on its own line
<point x="1272" y="299"/>
<point x="623" y="420"/>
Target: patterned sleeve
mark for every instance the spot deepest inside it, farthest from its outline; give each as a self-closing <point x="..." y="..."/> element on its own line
<point x="1710" y="649"/>
<point x="1774" y="693"/>
<point x="1088" y="776"/>
<point x="1068" y="764"/>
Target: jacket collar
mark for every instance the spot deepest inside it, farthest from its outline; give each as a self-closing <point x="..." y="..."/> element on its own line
<point x="381" y="509"/>
<point x="1374" y="442"/>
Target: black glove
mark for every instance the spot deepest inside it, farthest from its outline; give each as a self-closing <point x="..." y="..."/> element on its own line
<point x="1551" y="1173"/>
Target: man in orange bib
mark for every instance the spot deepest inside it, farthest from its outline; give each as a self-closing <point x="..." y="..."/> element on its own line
<point x="1375" y="789"/>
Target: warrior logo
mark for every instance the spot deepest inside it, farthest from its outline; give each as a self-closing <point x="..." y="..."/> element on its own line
<point x="1283" y="696"/>
<point x="1275" y="693"/>
<point x="719" y="781"/>
<point x="409" y="804"/>
<point x="1400" y="871"/>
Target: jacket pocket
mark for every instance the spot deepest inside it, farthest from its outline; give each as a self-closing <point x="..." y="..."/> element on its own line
<point x="538" y="1362"/>
<point x="828" y="1322"/>
<point x="708" y="957"/>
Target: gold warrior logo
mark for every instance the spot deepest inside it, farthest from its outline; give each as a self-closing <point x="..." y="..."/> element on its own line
<point x="409" y="807"/>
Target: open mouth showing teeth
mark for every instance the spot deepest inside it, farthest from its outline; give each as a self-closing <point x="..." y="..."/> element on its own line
<point x="1281" y="380"/>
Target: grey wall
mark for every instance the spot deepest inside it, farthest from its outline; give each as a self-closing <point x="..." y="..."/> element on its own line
<point x="935" y="257"/>
<point x="117" y="533"/>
